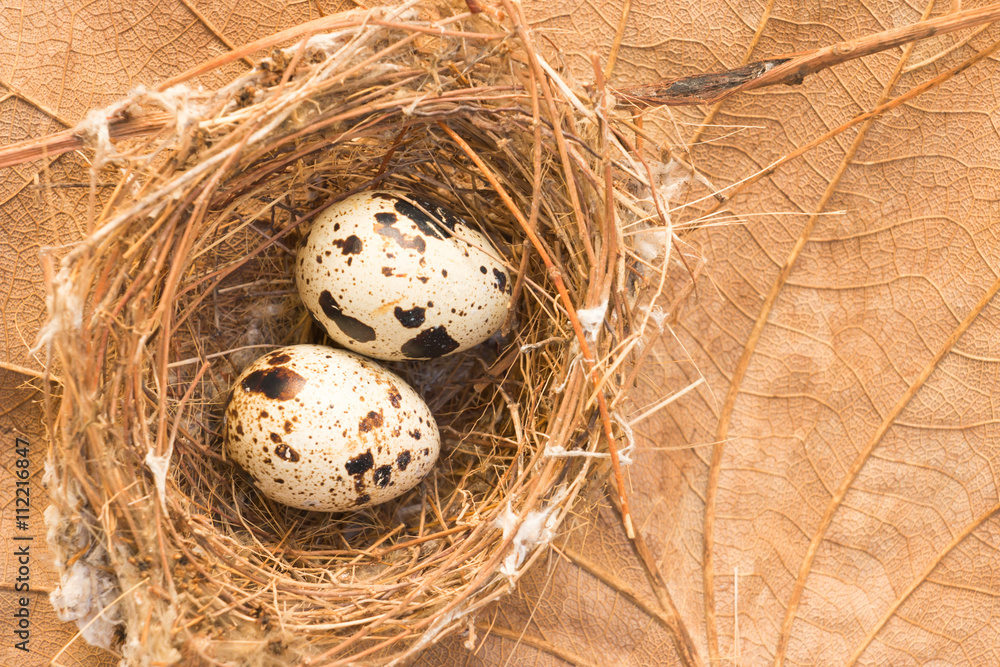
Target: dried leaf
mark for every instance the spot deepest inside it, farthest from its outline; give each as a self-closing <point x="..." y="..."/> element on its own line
<point x="841" y="450"/>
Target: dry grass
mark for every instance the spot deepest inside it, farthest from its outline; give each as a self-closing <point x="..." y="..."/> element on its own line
<point x="186" y="278"/>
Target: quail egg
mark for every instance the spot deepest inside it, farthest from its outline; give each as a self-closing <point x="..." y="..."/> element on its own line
<point x="324" y="429"/>
<point x="394" y="276"/>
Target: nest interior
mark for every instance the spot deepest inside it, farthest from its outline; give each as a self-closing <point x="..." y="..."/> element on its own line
<point x="167" y="552"/>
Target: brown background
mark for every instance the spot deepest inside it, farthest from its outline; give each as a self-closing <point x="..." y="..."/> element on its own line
<point x="855" y="442"/>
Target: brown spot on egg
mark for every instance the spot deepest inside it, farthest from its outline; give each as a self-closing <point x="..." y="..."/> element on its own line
<point x="275" y="437"/>
<point x="415" y="434"/>
<point x="423" y="279"/>
<point x="352" y="245"/>
<point x="353" y="327"/>
<point x="371" y="420"/>
<point x="430" y="343"/>
<point x="429" y="218"/>
<point x="412" y="318"/>
<point x="362" y="499"/>
<point x="286" y="453"/>
<point x="239" y="428"/>
<point x="360" y="464"/>
<point x="403" y="459"/>
<point x="394" y="395"/>
<point x="382" y="476"/>
<point x="501" y="280"/>
<point x="278" y="358"/>
<point x="279" y="383"/>
<point x="384" y="227"/>
<point x="278" y="480"/>
<point x="387" y="271"/>
<point x="288" y="426"/>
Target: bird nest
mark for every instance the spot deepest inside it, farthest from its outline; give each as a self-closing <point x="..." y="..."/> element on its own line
<point x="167" y="552"/>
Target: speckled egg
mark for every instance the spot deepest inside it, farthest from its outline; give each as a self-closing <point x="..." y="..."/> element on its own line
<point x="393" y="276"/>
<point x="325" y="429"/>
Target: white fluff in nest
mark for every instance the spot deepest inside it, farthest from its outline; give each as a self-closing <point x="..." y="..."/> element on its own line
<point x="538" y="528"/>
<point x="159" y="466"/>
<point x="658" y="315"/>
<point x="591" y="319"/>
<point x="652" y="243"/>
<point x="80" y="596"/>
<point x="65" y="306"/>
<point x="176" y="100"/>
<point x="669" y="178"/>
<point x="94" y="126"/>
<point x="157" y="649"/>
<point x="326" y="43"/>
<point x="431" y="634"/>
<point x="654" y="240"/>
<point x="87" y="590"/>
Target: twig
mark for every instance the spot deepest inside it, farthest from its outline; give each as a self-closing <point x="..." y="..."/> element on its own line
<point x="792" y="69"/>
<point x="69" y="140"/>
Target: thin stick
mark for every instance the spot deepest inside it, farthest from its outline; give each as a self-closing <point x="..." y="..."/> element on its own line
<point x="24" y="370"/>
<point x="665" y="402"/>
<point x="741" y="185"/>
<point x="793" y="68"/>
<point x="56" y="144"/>
<point x="619" y="36"/>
